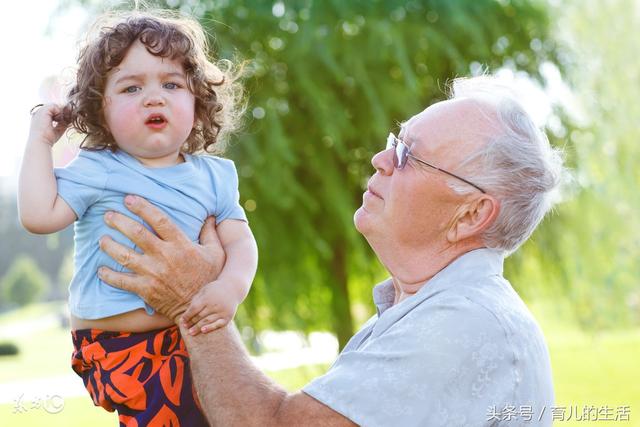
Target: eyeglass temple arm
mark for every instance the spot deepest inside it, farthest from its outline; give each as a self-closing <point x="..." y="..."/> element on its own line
<point x="447" y="172"/>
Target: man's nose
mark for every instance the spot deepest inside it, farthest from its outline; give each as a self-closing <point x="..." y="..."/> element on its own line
<point x="383" y="162"/>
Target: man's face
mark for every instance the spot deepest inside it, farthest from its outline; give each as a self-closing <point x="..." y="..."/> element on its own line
<point x="414" y="206"/>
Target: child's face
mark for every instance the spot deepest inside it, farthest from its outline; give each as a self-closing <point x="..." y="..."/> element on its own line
<point x="148" y="107"/>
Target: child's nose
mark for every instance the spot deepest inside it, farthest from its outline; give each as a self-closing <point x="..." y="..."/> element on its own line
<point x="153" y="99"/>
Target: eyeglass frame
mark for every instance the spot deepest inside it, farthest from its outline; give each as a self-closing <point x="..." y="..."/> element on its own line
<point x="399" y="163"/>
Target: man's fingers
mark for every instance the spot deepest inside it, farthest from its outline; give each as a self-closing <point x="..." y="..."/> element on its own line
<point x="210" y="241"/>
<point x="126" y="257"/>
<point x="208" y="234"/>
<point x="152" y="215"/>
<point x="135" y="231"/>
<point x="126" y="281"/>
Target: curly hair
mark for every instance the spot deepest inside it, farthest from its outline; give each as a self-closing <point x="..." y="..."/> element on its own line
<point x="215" y="85"/>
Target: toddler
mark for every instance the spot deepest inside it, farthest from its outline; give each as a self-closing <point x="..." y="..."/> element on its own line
<point x="147" y="100"/>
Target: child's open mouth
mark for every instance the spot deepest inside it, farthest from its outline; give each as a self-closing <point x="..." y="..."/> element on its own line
<point x="156" y="121"/>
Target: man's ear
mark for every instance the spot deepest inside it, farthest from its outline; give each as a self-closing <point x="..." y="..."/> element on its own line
<point x="472" y="218"/>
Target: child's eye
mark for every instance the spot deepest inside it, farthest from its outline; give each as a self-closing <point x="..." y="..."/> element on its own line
<point x="131" y="89"/>
<point x="171" y="85"/>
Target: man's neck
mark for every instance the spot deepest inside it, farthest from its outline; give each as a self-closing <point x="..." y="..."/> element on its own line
<point x="411" y="272"/>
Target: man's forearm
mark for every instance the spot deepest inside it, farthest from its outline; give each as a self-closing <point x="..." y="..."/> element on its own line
<point x="231" y="389"/>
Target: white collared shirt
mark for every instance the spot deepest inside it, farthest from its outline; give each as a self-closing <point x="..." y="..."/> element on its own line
<point x="463" y="351"/>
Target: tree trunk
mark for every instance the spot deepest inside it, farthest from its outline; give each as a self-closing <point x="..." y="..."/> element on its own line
<point x="340" y="303"/>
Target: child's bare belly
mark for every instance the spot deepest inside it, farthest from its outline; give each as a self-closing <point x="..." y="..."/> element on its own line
<point x="132" y="321"/>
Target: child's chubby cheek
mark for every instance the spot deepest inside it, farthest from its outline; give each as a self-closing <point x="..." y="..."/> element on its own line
<point x="119" y="113"/>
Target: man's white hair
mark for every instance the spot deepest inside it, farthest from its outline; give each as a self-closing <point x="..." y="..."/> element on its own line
<point x="517" y="165"/>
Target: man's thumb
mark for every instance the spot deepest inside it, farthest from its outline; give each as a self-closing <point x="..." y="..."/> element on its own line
<point x="208" y="234"/>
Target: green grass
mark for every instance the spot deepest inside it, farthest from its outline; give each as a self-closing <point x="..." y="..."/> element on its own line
<point x="601" y="369"/>
<point x="55" y="343"/>
<point x="295" y="378"/>
<point x="30" y="312"/>
<point x="589" y="369"/>
<point x="76" y="412"/>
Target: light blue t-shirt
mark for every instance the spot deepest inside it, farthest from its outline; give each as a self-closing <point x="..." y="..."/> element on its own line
<point x="463" y="351"/>
<point x="97" y="181"/>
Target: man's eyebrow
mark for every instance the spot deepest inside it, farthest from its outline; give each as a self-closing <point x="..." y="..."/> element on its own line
<point x="402" y="132"/>
<point x="407" y="139"/>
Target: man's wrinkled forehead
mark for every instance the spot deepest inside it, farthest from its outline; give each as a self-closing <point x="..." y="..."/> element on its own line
<point x="450" y="120"/>
<point x="405" y="134"/>
<point x="409" y="130"/>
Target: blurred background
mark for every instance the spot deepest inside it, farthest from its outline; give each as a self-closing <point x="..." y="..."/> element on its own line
<point x="326" y="82"/>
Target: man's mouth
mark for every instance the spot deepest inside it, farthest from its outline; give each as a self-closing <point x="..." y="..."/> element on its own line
<point x="370" y="190"/>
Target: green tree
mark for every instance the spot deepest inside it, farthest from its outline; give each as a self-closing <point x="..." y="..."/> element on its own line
<point x="327" y="81"/>
<point x="46" y="251"/>
<point x="596" y="233"/>
<point x="24" y="282"/>
<point x="61" y="290"/>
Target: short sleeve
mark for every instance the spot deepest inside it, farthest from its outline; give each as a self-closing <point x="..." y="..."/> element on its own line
<point x="446" y="367"/>
<point x="227" y="195"/>
<point x="83" y="180"/>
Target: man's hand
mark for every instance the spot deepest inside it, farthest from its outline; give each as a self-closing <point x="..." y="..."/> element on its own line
<point x="171" y="269"/>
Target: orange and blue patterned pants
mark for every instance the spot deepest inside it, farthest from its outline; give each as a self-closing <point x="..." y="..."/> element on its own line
<point x="144" y="376"/>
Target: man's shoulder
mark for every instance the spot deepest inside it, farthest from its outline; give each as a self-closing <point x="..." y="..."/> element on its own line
<point x="488" y="316"/>
<point x="496" y="296"/>
<point x="487" y="308"/>
<point x="459" y="310"/>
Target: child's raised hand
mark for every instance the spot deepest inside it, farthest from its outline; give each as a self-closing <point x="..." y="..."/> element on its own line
<point x="48" y="123"/>
<point x="211" y="308"/>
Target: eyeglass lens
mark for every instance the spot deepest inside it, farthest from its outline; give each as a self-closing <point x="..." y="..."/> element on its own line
<point x="401" y="151"/>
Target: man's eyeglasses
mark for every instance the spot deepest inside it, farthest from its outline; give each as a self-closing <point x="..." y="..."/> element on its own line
<point x="402" y="153"/>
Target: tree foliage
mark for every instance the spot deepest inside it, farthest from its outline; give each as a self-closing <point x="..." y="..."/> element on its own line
<point x="47" y="251"/>
<point x="24" y="283"/>
<point x="595" y="235"/>
<point x="327" y="82"/>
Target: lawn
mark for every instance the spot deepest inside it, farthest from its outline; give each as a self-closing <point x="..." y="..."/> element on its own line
<point x="596" y="370"/>
<point x="599" y="370"/>
<point x="77" y="411"/>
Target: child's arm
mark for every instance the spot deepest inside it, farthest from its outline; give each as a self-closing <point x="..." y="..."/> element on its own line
<point x="41" y="210"/>
<point x="216" y="303"/>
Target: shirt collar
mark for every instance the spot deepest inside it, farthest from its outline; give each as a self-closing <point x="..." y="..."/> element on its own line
<point x="177" y="172"/>
<point x="474" y="264"/>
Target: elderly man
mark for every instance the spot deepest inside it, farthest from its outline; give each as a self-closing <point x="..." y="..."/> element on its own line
<point x="464" y="184"/>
